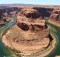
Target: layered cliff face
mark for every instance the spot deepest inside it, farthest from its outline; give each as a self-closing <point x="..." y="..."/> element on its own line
<point x="8" y="12"/>
<point x="55" y="16"/>
<point x="30" y="19"/>
<point x="30" y="13"/>
<point x="30" y="35"/>
<point x="29" y="31"/>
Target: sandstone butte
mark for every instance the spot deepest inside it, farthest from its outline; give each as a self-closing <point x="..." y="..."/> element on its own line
<point x="29" y="34"/>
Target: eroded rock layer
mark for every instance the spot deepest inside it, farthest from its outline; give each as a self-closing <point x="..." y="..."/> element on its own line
<point x="55" y="16"/>
<point x="29" y="34"/>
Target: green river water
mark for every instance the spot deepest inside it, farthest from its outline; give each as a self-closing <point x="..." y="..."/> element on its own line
<point x="6" y="52"/>
<point x="55" y="31"/>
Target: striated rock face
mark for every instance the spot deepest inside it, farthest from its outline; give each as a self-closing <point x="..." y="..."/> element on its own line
<point x="29" y="19"/>
<point x="30" y="13"/>
<point x="55" y="16"/>
<point x="7" y="13"/>
<point x="27" y="42"/>
<point x="29" y="34"/>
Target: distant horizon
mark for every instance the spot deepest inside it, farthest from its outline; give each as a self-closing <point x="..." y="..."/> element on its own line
<point x="33" y="2"/>
<point x="29" y="4"/>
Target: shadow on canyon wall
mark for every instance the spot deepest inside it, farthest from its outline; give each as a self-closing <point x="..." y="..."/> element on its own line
<point x="6" y="11"/>
<point x="46" y="12"/>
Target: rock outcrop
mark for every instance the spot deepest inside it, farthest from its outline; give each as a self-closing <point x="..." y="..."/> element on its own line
<point x="7" y="13"/>
<point x="30" y="19"/>
<point x="30" y="13"/>
<point x="55" y="16"/>
<point x="28" y="33"/>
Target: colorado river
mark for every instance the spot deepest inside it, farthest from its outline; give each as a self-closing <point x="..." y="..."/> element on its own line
<point x="4" y="51"/>
<point x="55" y="31"/>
